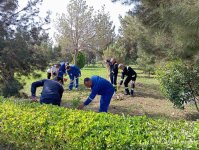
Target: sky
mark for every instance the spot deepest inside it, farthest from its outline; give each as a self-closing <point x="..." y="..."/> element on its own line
<point x="59" y="6"/>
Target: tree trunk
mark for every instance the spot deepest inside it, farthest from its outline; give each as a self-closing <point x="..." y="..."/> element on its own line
<point x="195" y="102"/>
<point x="75" y="57"/>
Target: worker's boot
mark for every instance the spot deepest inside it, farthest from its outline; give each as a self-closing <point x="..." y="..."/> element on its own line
<point x="115" y="88"/>
<point x="127" y="92"/>
<point x="132" y="92"/>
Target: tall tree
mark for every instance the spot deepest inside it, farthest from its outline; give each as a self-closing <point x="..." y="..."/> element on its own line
<point x="76" y="26"/>
<point x="173" y="25"/>
<point x="82" y="29"/>
<point x="22" y="36"/>
<point x="104" y="28"/>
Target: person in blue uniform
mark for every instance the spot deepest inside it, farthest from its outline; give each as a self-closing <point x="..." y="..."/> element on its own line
<point x="74" y="73"/>
<point x="62" y="70"/>
<point x="99" y="86"/>
<point x="51" y="93"/>
<point x="131" y="75"/>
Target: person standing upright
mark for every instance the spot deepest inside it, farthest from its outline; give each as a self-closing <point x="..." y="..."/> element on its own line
<point x="114" y="73"/>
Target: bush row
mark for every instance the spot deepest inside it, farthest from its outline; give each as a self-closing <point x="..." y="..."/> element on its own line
<point x="33" y="126"/>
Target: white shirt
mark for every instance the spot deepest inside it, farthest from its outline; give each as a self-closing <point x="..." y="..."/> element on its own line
<point x="48" y="70"/>
<point x="53" y="69"/>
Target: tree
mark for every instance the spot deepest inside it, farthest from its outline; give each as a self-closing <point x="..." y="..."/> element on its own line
<point x="146" y="63"/>
<point x="81" y="60"/>
<point x="172" y="25"/>
<point x="22" y="36"/>
<point x="104" y="29"/>
<point x="115" y="51"/>
<point x="81" y="29"/>
<point x="76" y="27"/>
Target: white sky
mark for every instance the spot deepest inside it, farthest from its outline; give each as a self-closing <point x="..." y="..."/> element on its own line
<point x="59" y="6"/>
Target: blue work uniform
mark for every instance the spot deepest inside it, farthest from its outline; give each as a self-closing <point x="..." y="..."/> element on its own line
<point x="74" y="74"/>
<point x="103" y="87"/>
<point x="62" y="70"/>
<point x="51" y="93"/>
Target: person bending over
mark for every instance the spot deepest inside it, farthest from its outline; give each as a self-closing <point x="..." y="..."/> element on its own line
<point x="99" y="86"/>
<point x="51" y="93"/>
<point x="131" y="75"/>
<point x="74" y="74"/>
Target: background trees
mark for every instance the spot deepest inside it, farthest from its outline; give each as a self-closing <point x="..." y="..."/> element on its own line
<point x="22" y="40"/>
<point x="171" y="27"/>
<point x="162" y="32"/>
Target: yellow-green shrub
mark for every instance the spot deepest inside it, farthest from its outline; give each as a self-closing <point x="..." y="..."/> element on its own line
<point x="34" y="126"/>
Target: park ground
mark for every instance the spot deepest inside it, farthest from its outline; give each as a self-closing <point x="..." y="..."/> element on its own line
<point x="148" y="99"/>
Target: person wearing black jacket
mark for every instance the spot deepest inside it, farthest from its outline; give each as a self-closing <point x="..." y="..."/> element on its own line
<point x="113" y="68"/>
<point x="51" y="93"/>
<point x="131" y="76"/>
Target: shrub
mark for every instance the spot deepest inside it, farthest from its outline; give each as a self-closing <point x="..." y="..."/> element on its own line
<point x="81" y="60"/>
<point x="34" y="126"/>
<point x="180" y="83"/>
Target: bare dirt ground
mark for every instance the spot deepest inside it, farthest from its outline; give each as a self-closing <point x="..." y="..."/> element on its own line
<point x="147" y="101"/>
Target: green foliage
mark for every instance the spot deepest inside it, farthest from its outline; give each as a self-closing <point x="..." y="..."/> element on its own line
<point x="22" y="43"/>
<point x="81" y="60"/>
<point x="163" y="28"/>
<point x="146" y="63"/>
<point x="115" y="51"/>
<point x="35" y="126"/>
<point x="179" y="83"/>
<point x="10" y="88"/>
<point x="80" y="28"/>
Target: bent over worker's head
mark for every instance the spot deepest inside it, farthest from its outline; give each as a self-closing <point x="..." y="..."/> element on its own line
<point x="121" y="66"/>
<point x="68" y="67"/>
<point x="88" y="82"/>
<point x="59" y="79"/>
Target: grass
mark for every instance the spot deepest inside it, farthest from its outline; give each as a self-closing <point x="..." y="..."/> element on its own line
<point x="148" y="99"/>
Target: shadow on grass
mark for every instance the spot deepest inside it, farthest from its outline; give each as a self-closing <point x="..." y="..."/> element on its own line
<point x="146" y="76"/>
<point x="148" y="91"/>
<point x="148" y="95"/>
<point x="192" y="116"/>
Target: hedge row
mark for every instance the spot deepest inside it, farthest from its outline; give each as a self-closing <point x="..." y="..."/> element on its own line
<point x="34" y="126"/>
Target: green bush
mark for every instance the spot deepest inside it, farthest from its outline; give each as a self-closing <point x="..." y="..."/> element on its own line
<point x="26" y="125"/>
<point x="81" y="60"/>
<point x="180" y="83"/>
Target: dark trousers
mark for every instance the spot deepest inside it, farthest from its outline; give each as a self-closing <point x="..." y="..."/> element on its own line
<point x="50" y="101"/>
<point x="113" y="78"/>
<point x="126" y="82"/>
<point x="48" y="75"/>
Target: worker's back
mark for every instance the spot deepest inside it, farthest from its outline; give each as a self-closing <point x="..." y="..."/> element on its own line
<point x="51" y="90"/>
<point x="75" y="71"/>
<point x="101" y="86"/>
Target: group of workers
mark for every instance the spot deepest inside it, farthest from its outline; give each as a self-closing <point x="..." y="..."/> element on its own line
<point x="53" y="89"/>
